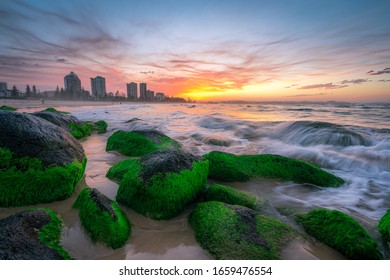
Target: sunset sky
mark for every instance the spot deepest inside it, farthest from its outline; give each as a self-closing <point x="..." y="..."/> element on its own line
<point x="206" y="50"/>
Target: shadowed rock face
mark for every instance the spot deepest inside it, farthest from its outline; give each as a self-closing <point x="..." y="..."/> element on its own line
<point x="103" y="202"/>
<point x="28" y="135"/>
<point x="166" y="162"/>
<point x="19" y="237"/>
<point x="60" y="120"/>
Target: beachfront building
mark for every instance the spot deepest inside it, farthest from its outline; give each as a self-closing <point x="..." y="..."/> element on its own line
<point x="98" y="87"/>
<point x="142" y="91"/>
<point x="160" y="96"/>
<point x="4" y="92"/>
<point x="72" y="85"/>
<point x="132" y="91"/>
<point x="149" y="95"/>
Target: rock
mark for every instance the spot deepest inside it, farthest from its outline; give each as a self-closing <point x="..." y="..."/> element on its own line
<point x="53" y="110"/>
<point x="133" y="120"/>
<point x="78" y="129"/>
<point x="232" y="196"/>
<point x="102" y="218"/>
<point x="31" y="235"/>
<point x="8" y="108"/>
<point x="230" y="168"/>
<point x="310" y="133"/>
<point x="160" y="184"/>
<point x="39" y="161"/>
<point x="384" y="226"/>
<point x="217" y="141"/>
<point x="236" y="232"/>
<point x="140" y="142"/>
<point x="340" y="231"/>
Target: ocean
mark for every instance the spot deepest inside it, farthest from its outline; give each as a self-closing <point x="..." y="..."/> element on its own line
<point x="351" y="141"/>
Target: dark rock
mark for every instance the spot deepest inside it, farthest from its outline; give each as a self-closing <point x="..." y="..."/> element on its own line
<point x="165" y="162"/>
<point x="28" y="135"/>
<point x="103" y="202"/>
<point x="19" y="238"/>
<point x="60" y="120"/>
<point x="133" y="120"/>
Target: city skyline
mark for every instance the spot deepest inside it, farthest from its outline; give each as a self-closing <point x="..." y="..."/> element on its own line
<point x="204" y="50"/>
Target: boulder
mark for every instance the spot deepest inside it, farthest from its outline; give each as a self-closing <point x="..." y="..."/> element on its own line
<point x="139" y="142"/>
<point x="384" y="226"/>
<point x="230" y="168"/>
<point x="77" y="128"/>
<point x="232" y="196"/>
<point x="102" y="218"/>
<point x="160" y="184"/>
<point x="39" y="161"/>
<point x="340" y="231"/>
<point x="8" y="108"/>
<point x="236" y="232"/>
<point x="31" y="235"/>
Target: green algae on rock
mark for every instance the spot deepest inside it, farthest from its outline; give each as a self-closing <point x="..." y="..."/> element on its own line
<point x="139" y="143"/>
<point x="25" y="181"/>
<point x="384" y="226"/>
<point x="340" y="231"/>
<point x="160" y="184"/>
<point x="79" y="131"/>
<point x="102" y="218"/>
<point x="8" y="108"/>
<point x="229" y="168"/>
<point x="118" y="170"/>
<point x="232" y="196"/>
<point x="32" y="235"/>
<point x="53" y="110"/>
<point x="237" y="232"/>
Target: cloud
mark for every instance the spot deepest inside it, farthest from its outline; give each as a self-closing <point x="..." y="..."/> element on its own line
<point x="324" y="86"/>
<point x="293" y="85"/>
<point x="384" y="71"/>
<point x="146" y="72"/>
<point x="355" y="82"/>
<point x="61" y="60"/>
<point x="306" y="95"/>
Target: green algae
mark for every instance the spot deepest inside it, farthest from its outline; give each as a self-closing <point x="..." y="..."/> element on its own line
<point x="137" y="144"/>
<point x="230" y="168"/>
<point x="24" y="181"/>
<point x="53" y="110"/>
<point x="100" y="224"/>
<point x="50" y="234"/>
<point x="341" y="232"/>
<point x="384" y="226"/>
<point x="118" y="170"/>
<point x="232" y="196"/>
<point x="236" y="232"/>
<point x="8" y="108"/>
<point x="84" y="130"/>
<point x="164" y="195"/>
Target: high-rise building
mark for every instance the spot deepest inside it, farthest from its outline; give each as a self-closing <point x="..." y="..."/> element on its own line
<point x="98" y="87"/>
<point x="160" y="96"/>
<point x="142" y="91"/>
<point x="132" y="91"/>
<point x="72" y="85"/>
<point x="3" y="86"/>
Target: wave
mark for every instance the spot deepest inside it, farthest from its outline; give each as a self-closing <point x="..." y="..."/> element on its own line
<point x="309" y="133"/>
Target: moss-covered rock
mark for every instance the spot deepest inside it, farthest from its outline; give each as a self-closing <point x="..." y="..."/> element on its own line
<point x="53" y="110"/>
<point x="384" y="226"/>
<point x="232" y="196"/>
<point x="39" y="162"/>
<point x="26" y="181"/>
<point x="237" y="232"/>
<point x="140" y="143"/>
<point x="8" y="108"/>
<point x="86" y="128"/>
<point x="31" y="235"/>
<point x="340" y="231"/>
<point x="229" y="167"/>
<point x="118" y="170"/>
<point x="102" y="218"/>
<point x="160" y="184"/>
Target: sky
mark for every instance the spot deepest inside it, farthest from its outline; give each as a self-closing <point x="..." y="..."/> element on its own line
<point x="264" y="50"/>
